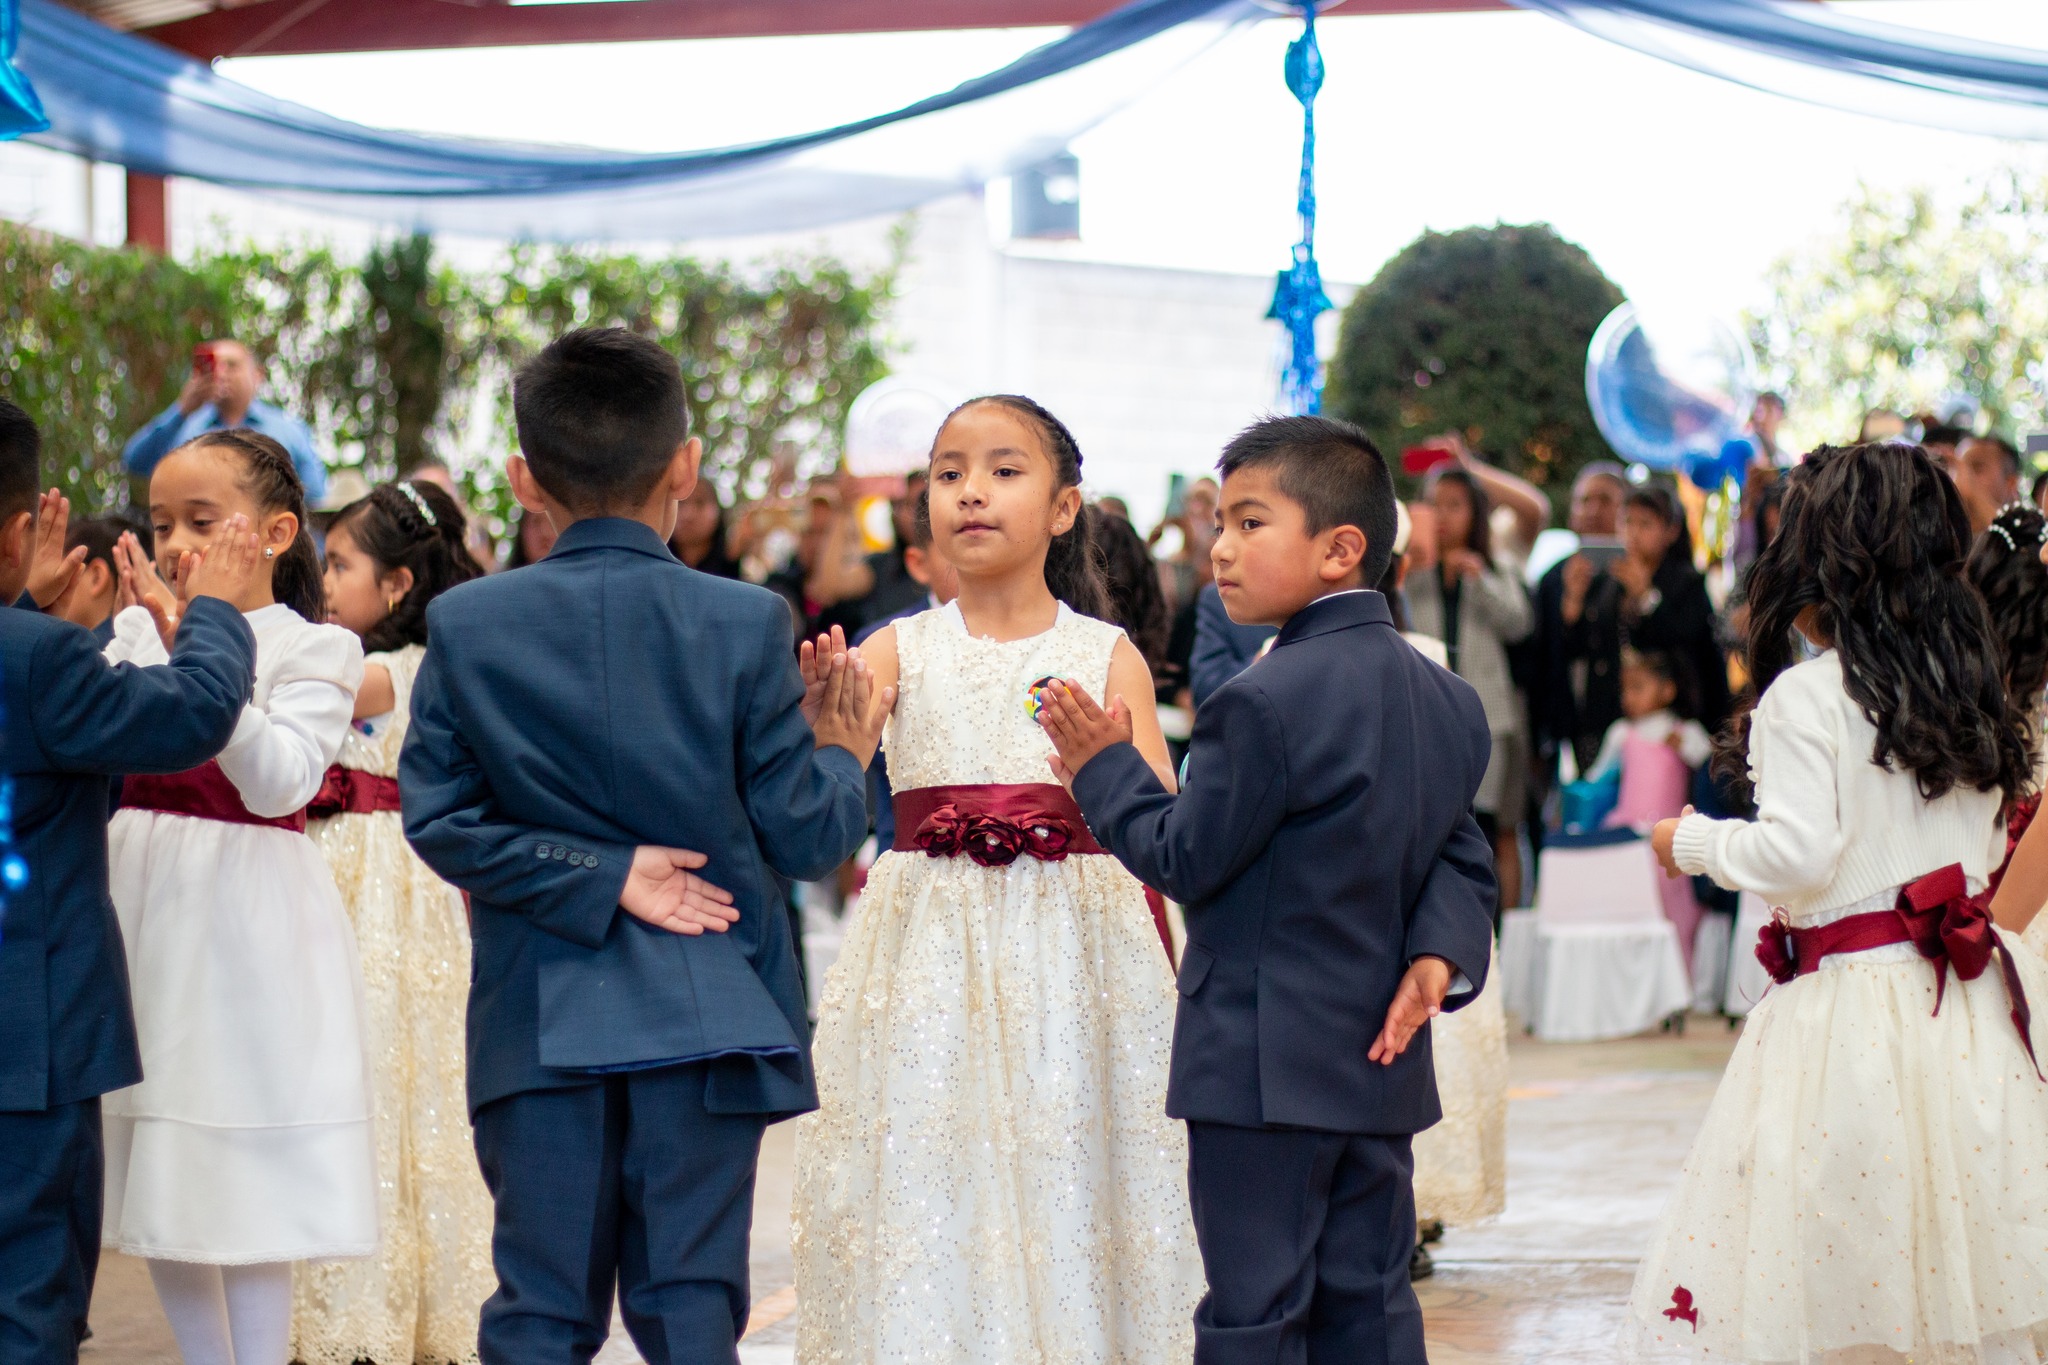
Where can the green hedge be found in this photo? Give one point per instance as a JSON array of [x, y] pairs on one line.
[[390, 358]]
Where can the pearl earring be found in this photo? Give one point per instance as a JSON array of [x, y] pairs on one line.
[[270, 552]]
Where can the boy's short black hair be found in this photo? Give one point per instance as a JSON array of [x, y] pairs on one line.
[[21, 450], [600, 413], [1333, 470], [97, 535]]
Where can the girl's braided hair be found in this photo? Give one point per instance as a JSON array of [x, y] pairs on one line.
[[1073, 566], [269, 477], [412, 525], [1873, 538]]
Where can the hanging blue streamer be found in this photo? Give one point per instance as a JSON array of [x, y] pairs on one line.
[[20, 110], [1298, 298]]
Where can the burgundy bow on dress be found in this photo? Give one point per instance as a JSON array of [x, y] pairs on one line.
[[1937, 915], [992, 823], [350, 790]]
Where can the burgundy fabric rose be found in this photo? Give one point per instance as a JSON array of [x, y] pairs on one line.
[[1774, 950], [940, 836], [992, 841]]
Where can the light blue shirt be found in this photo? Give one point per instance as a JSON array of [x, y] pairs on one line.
[[172, 429]]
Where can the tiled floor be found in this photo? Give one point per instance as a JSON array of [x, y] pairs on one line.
[[1595, 1135]]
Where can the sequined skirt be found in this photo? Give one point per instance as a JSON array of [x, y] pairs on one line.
[[991, 1176]]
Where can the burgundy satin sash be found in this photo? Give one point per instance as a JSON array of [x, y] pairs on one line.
[[351, 791], [204, 791], [992, 823], [1937, 915]]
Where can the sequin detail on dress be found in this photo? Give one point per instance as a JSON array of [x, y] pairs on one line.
[[991, 1177], [417, 1299]]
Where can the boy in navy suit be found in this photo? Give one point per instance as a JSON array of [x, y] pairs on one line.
[[67, 1035], [579, 727], [1338, 895]]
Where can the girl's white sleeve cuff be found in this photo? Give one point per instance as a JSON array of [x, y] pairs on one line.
[[1690, 841]]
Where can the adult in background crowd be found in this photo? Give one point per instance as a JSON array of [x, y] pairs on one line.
[[1765, 418], [701, 535], [1477, 608], [220, 394], [1987, 474], [1576, 691], [1662, 599]]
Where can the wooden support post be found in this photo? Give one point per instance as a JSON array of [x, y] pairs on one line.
[[148, 224]]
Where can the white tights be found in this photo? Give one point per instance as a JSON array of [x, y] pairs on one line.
[[227, 1314]]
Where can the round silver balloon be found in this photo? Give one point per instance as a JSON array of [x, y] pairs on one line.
[[891, 425], [1669, 385]]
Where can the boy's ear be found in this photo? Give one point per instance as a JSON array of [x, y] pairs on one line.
[[684, 468], [525, 488], [17, 534], [917, 563], [1343, 552]]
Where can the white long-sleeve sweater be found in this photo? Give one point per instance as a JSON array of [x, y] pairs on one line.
[[1832, 827]]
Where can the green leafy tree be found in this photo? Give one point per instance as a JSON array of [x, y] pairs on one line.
[[1910, 301], [396, 359], [1484, 331]]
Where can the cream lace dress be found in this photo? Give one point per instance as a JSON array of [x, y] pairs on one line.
[[991, 1176], [1461, 1163], [417, 1299]]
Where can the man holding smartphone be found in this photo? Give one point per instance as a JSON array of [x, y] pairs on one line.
[[220, 394]]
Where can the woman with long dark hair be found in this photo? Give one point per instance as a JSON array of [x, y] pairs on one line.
[[1477, 608]]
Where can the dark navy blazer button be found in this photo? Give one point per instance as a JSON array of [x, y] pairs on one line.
[[542, 850], [575, 859], [590, 860], [560, 853]]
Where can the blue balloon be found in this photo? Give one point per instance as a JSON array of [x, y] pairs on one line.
[[1670, 390], [1709, 472]]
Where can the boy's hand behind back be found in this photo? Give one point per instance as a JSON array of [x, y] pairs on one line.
[[1419, 1000], [661, 890], [1078, 728]]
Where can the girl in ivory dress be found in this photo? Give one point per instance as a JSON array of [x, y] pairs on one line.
[[1868, 1187], [991, 1177], [247, 1145], [417, 1299]]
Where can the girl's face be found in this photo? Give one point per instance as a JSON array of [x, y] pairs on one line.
[[1644, 692], [996, 499], [359, 592], [192, 493], [1453, 516], [1645, 535]]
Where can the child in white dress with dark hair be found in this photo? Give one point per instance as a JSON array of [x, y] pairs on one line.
[[247, 1146], [1870, 1186], [991, 1177]]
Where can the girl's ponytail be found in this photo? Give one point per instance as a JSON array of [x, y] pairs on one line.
[[1073, 563], [271, 479]]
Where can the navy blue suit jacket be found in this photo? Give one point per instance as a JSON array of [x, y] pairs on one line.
[[571, 710], [1323, 842], [66, 1030]]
